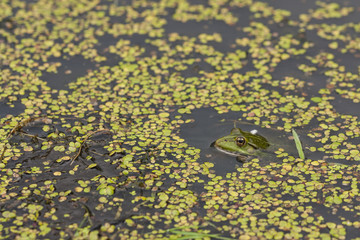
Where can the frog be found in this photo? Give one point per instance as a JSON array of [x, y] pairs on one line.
[[242, 144]]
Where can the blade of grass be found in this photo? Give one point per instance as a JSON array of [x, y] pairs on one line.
[[197, 235], [298, 144]]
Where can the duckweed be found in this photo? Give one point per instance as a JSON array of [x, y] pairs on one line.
[[94, 95]]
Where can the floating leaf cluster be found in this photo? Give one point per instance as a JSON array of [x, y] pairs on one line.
[[102, 156]]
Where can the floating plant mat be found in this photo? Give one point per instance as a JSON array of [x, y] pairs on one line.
[[97, 99]]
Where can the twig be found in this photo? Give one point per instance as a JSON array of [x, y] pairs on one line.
[[25, 122], [83, 142]]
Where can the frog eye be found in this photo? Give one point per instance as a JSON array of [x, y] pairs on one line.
[[240, 141]]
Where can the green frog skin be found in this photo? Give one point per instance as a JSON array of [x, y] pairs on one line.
[[241, 143]]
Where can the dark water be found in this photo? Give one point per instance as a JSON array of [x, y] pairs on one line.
[[208, 125]]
